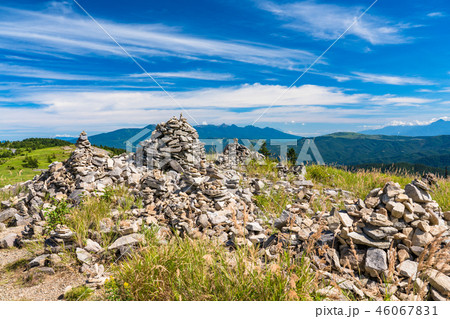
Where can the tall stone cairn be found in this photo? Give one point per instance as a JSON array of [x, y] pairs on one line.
[[172, 145]]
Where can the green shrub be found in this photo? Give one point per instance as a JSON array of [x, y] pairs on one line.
[[30, 162], [78, 293], [58, 215]]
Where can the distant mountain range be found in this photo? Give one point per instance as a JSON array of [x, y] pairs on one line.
[[439, 127], [119, 137], [338, 148]]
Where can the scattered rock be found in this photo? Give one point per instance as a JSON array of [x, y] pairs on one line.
[[39, 261], [8, 241], [439, 281], [362, 239], [92, 246], [7, 214], [127, 240], [83, 256], [376, 261], [408, 268]]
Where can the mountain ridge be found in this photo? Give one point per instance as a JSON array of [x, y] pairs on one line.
[[439, 127]]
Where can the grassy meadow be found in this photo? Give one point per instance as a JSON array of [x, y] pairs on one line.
[[13, 172]]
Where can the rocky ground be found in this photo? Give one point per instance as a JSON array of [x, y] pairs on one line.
[[394, 235]]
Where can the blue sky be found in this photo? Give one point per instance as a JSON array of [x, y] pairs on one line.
[[223, 61]]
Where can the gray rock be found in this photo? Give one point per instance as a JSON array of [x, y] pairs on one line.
[[362, 239], [7, 214], [421, 238], [417, 250], [257, 238], [83, 256], [417, 194], [396, 209], [408, 268], [8, 241], [379, 233], [439, 281], [203, 221], [38, 261], [436, 295], [93, 246], [376, 261], [127, 240], [345, 219], [217, 218], [255, 227]]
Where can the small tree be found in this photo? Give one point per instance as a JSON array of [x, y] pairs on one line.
[[263, 150], [291, 156], [30, 162]]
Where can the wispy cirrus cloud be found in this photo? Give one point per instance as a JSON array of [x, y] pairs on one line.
[[241, 104], [390, 79], [436, 14], [378, 78], [390, 99], [17, 70], [328, 21], [196, 75], [69, 33]]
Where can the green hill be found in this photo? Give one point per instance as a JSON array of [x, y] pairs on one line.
[[13, 170]]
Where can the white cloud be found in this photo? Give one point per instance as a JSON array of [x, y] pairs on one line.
[[328, 21], [32, 72], [435, 14], [70, 111], [416, 122], [378, 78], [245, 96], [70, 33], [389, 99], [390, 79], [196, 75]]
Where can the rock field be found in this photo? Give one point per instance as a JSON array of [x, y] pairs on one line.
[[396, 233]]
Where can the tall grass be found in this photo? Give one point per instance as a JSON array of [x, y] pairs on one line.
[[441, 194], [273, 202], [362, 182], [204, 270], [86, 217], [265, 169]]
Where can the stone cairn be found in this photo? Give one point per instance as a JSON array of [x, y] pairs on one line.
[[172, 145], [236, 154], [394, 233]]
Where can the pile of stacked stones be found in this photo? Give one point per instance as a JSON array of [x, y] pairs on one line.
[[387, 235], [173, 145], [352, 247], [236, 154], [89, 170]]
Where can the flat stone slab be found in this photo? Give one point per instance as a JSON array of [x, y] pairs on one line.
[[362, 239], [127, 240], [408, 268]]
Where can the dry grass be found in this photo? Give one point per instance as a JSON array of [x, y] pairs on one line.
[[362, 182], [86, 217], [204, 270]]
